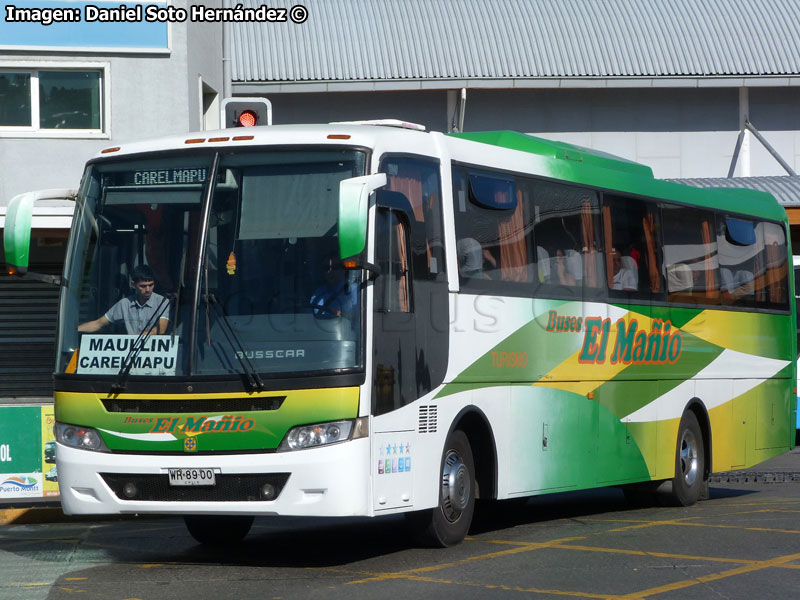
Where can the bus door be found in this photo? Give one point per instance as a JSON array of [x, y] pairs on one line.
[[410, 318]]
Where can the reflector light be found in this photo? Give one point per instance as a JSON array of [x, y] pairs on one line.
[[218, 139], [107, 150], [242, 138], [338, 136], [247, 118], [195, 141]]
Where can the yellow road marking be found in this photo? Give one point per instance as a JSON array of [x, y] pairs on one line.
[[748, 566], [487, 586], [721, 559], [523, 547], [735, 561], [767, 529], [686, 522], [679, 585], [683, 523]]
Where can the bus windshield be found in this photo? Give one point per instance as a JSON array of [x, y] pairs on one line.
[[159, 284]]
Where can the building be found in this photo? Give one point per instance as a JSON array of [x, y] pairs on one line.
[[666, 83]]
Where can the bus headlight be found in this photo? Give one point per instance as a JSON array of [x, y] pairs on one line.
[[320, 434], [83, 438]]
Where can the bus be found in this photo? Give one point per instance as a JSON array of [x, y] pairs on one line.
[[364, 319], [796, 264]]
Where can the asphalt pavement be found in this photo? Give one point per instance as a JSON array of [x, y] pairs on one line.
[[742, 543]]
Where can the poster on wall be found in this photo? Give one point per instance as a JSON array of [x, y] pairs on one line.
[[27, 461], [50, 484]]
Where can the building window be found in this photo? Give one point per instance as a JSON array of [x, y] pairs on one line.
[[51, 101]]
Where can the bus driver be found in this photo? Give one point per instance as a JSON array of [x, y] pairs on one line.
[[138, 309]]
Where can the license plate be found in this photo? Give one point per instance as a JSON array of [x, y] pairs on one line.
[[193, 476]]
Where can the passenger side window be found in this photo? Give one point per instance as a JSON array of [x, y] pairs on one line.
[[770, 269], [493, 230], [690, 255], [632, 241], [567, 229]]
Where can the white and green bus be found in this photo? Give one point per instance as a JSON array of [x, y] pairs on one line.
[[368, 319]]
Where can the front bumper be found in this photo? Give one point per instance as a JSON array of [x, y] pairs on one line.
[[326, 481]]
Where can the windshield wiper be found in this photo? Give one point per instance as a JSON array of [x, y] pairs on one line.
[[137, 346], [230, 335]]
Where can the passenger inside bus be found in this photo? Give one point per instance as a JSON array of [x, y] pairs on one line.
[[735, 285], [564, 275], [471, 258], [626, 275], [679, 278]]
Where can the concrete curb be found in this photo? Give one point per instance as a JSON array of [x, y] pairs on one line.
[[35, 514], [50, 514]]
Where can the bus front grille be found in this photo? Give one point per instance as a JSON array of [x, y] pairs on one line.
[[228, 488], [203, 405]]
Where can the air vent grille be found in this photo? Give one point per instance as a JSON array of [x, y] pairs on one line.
[[427, 419]]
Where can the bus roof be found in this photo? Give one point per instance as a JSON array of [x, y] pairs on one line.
[[243, 137], [607, 171], [584, 166], [553, 149]]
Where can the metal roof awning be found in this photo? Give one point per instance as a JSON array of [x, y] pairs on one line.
[[425, 44], [785, 188]]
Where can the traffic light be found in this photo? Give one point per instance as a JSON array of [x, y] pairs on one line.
[[246, 112]]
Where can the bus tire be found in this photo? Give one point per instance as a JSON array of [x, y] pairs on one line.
[[218, 530], [448, 523], [688, 482]]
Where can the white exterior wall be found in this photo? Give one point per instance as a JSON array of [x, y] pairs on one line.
[[150, 95], [204, 63]]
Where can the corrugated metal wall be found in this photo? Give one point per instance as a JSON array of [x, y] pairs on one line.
[[28, 318], [28, 312], [429, 39]]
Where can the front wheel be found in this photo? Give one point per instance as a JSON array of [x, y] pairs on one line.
[[689, 482], [449, 522], [218, 530]]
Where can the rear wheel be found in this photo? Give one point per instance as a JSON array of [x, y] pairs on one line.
[[449, 522], [689, 483], [218, 530]]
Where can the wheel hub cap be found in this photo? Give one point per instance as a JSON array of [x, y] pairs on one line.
[[455, 486], [689, 458]]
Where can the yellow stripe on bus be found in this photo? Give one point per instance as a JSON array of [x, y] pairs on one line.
[[591, 376]]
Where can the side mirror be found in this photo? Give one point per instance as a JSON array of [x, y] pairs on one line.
[[17, 233], [353, 209], [17, 226]]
